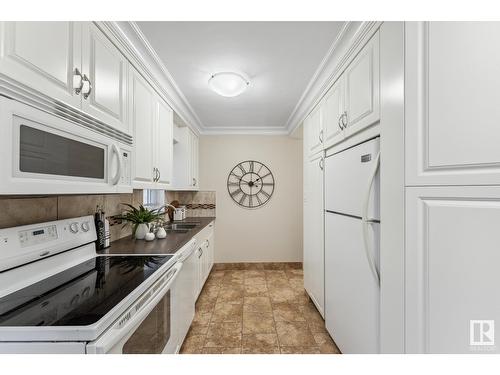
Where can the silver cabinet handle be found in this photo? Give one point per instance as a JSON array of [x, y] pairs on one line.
[[321, 136], [159, 174], [321, 163], [344, 116], [200, 251], [86, 93], [194, 181], [338, 122], [77, 81]]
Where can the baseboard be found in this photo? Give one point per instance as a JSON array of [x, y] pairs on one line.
[[257, 266]]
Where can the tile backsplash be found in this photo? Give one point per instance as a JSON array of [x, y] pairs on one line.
[[15, 211], [21, 210], [198, 203]]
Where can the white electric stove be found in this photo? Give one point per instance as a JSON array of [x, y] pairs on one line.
[[58, 296]]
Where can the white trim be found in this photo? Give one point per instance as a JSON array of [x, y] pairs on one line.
[[344, 48], [250, 130]]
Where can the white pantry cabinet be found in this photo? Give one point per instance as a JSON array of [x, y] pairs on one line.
[[452, 112], [452, 258], [43, 56], [104, 66], [73, 63], [314, 254], [152, 121], [186, 156]]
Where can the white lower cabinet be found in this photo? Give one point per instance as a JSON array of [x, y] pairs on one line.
[[205, 256], [314, 255], [452, 262]]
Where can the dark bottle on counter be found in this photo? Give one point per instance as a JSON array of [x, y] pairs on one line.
[[102, 229]]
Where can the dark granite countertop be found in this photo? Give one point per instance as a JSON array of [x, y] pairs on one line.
[[169, 245]]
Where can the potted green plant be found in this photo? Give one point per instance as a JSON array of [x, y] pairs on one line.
[[140, 218]]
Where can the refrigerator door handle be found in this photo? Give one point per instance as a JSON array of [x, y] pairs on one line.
[[367, 221]]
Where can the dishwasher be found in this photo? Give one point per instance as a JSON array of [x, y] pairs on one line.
[[186, 291]]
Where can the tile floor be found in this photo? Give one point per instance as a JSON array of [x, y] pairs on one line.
[[257, 312]]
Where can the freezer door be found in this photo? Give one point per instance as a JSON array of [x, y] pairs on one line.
[[347, 179], [351, 290]]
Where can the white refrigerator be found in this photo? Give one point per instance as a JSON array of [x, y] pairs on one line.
[[352, 227]]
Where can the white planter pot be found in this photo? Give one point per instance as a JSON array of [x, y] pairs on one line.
[[141, 231]]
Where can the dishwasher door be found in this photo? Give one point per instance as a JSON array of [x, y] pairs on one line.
[[186, 293]]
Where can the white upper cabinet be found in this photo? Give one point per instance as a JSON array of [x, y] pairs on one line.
[[314, 129], [194, 161], [452, 112], [186, 156], [106, 69], [362, 96], [43, 56], [152, 121], [351, 105], [332, 110], [142, 114], [164, 143]]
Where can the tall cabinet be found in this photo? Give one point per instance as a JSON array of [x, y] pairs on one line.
[[314, 255], [452, 117]]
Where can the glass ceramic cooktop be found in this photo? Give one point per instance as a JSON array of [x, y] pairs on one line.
[[80, 295]]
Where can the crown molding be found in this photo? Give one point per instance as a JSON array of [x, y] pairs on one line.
[[247, 130], [351, 39], [133, 43]]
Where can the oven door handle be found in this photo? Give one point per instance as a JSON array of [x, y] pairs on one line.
[[110, 338], [116, 178]]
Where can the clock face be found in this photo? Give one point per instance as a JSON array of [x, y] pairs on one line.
[[250, 184]]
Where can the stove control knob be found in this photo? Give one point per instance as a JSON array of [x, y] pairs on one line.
[[85, 226], [73, 227]]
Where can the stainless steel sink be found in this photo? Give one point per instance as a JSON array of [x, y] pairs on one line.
[[180, 226], [174, 231]]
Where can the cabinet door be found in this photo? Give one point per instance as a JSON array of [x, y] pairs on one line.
[[452, 277], [314, 231], [315, 132], [210, 252], [164, 140], [42, 56], [142, 105], [107, 70], [362, 88], [452, 114], [332, 109], [194, 160]]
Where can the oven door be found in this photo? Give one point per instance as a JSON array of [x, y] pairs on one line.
[[49, 155], [148, 326]]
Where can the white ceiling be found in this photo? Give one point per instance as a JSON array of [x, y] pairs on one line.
[[279, 58]]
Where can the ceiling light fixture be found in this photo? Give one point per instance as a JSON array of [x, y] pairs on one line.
[[228, 84]]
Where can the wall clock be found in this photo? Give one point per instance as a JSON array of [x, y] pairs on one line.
[[250, 184]]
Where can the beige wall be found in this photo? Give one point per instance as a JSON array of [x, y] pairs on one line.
[[272, 233]]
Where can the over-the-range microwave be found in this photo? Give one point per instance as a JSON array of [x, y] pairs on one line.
[[46, 154]]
